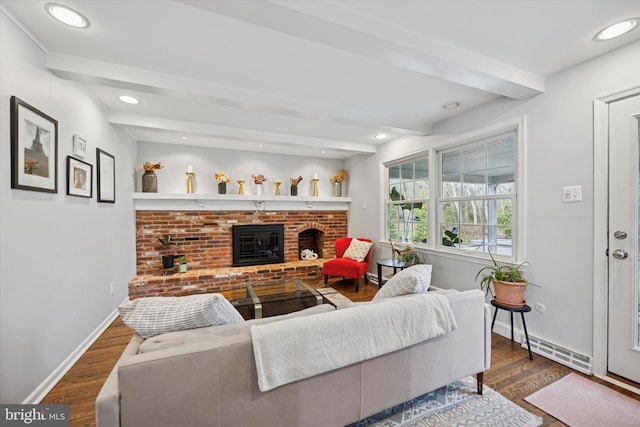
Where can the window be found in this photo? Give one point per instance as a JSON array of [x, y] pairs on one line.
[[477, 196], [407, 201]]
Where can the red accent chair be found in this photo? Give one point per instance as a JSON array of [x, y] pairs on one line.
[[345, 267]]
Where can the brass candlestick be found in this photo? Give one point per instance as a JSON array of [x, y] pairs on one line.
[[190, 182], [315, 186], [240, 188], [277, 184]]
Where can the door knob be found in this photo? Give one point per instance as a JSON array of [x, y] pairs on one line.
[[620, 235], [620, 254]]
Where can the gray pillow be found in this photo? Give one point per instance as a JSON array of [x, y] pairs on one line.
[[157, 315], [412, 280]]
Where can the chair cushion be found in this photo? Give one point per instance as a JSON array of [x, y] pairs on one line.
[[357, 250], [412, 280], [345, 267], [157, 315]]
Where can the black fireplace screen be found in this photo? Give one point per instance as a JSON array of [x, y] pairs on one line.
[[258, 244]]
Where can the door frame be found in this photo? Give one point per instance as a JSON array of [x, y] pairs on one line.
[[600, 232]]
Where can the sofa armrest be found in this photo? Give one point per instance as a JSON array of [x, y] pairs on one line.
[[108, 400], [487, 336]]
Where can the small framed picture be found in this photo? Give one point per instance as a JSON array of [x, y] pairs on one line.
[[106, 176], [79, 146], [34, 148], [79, 178]]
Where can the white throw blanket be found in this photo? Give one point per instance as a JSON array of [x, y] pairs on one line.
[[299, 348]]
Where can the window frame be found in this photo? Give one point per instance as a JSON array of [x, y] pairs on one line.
[[386, 184], [433, 151]]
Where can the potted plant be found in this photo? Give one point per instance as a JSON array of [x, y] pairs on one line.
[[411, 257], [182, 263], [506, 280]]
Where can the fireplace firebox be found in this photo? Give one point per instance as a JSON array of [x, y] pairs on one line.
[[258, 244]]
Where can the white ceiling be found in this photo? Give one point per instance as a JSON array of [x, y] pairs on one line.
[[303, 77]]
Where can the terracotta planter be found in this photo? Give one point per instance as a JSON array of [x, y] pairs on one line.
[[509, 293]]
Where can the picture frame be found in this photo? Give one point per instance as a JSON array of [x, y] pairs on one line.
[[34, 148], [106, 176], [79, 178], [79, 146]]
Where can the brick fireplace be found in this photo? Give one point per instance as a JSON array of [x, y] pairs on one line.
[[205, 237]]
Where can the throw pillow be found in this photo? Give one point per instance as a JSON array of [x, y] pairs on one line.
[[412, 280], [357, 250], [157, 315]]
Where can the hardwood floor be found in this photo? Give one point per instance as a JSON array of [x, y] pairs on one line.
[[512, 374]]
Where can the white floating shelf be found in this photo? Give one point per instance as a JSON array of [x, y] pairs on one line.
[[182, 201]]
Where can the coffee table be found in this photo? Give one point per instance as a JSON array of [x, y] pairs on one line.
[[271, 299]]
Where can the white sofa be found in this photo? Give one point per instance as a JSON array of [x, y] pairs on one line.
[[208, 376]]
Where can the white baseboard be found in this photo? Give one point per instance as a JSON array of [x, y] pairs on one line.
[[45, 387]]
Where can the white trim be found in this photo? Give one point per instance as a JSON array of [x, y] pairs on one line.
[[619, 383], [600, 238], [600, 228], [54, 377], [23, 29]]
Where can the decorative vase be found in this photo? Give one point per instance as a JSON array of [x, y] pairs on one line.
[[241, 188], [222, 188], [509, 293], [149, 182], [293, 190], [258, 189], [337, 189], [277, 184]]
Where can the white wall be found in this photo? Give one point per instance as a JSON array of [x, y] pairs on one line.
[[58, 254], [237, 165], [559, 152]]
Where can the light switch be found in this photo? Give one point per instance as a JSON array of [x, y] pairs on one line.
[[572, 194]]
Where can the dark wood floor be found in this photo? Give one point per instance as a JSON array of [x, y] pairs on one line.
[[512, 374]]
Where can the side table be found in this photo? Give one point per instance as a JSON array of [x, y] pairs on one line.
[[388, 262], [511, 310]]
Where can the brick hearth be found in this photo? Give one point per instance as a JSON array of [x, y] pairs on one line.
[[205, 238]]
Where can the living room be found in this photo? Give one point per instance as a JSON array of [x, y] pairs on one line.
[[66, 262]]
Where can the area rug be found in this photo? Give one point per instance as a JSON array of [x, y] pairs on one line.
[[456, 404], [577, 401]]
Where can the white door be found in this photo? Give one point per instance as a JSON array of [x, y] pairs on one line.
[[624, 188]]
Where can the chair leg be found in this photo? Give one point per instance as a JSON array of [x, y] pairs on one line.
[[357, 284], [326, 279]]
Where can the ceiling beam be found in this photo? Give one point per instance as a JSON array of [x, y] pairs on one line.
[[245, 134], [146, 81], [337, 25]]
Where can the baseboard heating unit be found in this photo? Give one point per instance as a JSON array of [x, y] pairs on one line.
[[570, 358]]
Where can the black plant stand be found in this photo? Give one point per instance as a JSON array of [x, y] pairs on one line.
[[522, 310]]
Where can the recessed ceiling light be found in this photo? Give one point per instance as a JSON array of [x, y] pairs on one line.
[[260, 145], [67, 16], [184, 137], [451, 105], [616, 30], [380, 136], [129, 99], [324, 151]]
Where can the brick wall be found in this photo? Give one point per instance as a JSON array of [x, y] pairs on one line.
[[205, 237]]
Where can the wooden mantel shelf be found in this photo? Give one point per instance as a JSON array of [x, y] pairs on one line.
[[162, 201]]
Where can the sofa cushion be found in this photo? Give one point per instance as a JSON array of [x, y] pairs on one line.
[[412, 280], [157, 315], [357, 250], [179, 338]]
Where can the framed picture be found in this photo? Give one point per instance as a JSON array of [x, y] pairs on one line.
[[79, 146], [79, 178], [34, 148], [106, 176]]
